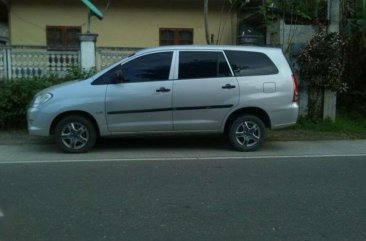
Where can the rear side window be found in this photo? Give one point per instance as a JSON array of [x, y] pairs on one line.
[[201, 64], [246, 63]]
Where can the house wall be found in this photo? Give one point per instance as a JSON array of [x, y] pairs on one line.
[[281, 33], [127, 23]]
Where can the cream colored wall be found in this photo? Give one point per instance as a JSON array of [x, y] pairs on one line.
[[127, 23]]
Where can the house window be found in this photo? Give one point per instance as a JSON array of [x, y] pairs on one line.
[[176, 36], [63, 38]]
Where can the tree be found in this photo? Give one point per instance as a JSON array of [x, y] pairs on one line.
[[354, 26], [322, 63], [233, 4]]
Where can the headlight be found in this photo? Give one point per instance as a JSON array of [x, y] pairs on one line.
[[41, 99]]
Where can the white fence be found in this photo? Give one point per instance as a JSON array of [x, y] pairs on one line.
[[22, 62], [108, 56], [3, 65]]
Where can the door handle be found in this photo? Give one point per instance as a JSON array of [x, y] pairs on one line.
[[162, 89], [228, 86]]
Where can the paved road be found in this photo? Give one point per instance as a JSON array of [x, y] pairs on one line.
[[196, 193], [178, 148]]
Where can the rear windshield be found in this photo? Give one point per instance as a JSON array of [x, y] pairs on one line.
[[246, 63]]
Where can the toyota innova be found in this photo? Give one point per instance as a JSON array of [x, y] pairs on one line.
[[235, 90]]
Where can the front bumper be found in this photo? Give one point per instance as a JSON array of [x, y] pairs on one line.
[[38, 122]]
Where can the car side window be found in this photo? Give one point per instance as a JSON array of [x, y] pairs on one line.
[[151, 67], [108, 77], [246, 63], [202, 64]]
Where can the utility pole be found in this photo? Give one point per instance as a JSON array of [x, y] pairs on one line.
[[205, 13], [334, 16]]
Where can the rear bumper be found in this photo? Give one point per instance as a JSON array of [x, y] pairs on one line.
[[285, 117]]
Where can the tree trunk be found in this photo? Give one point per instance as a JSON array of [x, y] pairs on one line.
[[315, 103]]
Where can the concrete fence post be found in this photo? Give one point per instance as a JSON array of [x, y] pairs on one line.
[[87, 50], [8, 63], [329, 105]]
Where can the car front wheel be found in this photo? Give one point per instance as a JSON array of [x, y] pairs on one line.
[[75, 134], [247, 133]]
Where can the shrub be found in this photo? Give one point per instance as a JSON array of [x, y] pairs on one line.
[[355, 74], [322, 65], [15, 97], [323, 61], [74, 73]]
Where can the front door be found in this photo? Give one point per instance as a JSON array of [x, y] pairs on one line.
[[143, 101]]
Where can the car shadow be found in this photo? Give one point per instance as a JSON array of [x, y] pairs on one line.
[[166, 142]]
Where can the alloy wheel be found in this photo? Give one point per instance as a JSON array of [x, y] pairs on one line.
[[75, 135], [248, 134]]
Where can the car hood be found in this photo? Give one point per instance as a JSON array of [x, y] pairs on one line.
[[66, 87], [60, 86]]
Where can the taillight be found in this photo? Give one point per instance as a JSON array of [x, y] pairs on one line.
[[294, 88]]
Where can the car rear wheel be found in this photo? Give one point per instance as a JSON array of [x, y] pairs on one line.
[[75, 134], [247, 133]]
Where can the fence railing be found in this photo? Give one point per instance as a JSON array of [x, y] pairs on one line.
[[28, 61], [108, 56], [3, 65]]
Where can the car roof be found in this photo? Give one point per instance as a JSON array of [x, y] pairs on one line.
[[209, 47]]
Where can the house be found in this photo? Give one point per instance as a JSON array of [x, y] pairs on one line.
[[43, 36], [127, 23], [4, 33]]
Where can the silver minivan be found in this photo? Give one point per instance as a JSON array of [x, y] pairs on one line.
[[235, 90]]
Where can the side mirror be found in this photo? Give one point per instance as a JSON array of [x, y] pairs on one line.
[[118, 77]]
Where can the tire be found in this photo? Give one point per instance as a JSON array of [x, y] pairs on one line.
[[247, 133], [75, 134]]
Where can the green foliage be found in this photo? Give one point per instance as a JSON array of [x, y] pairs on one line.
[[75, 73], [346, 123], [323, 61], [268, 18], [354, 26], [322, 64], [238, 3], [297, 10], [354, 8], [355, 75], [14, 98], [15, 95]]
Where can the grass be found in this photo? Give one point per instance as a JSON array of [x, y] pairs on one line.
[[347, 126]]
